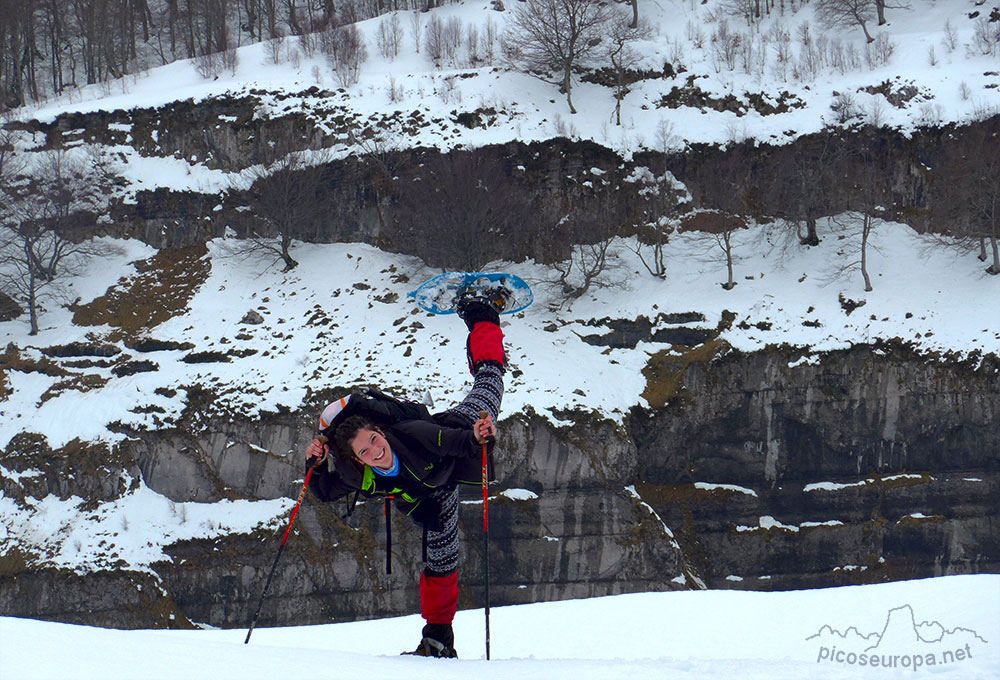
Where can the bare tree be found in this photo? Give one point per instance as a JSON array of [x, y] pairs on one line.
[[971, 204], [554, 35], [346, 51], [654, 235], [389, 37], [856, 227], [719, 228], [802, 199], [750, 10], [621, 33], [847, 13], [416, 18], [49, 45], [661, 198], [881, 6], [589, 266], [869, 196], [467, 197], [43, 214], [283, 192]]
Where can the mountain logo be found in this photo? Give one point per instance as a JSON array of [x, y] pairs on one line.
[[902, 643]]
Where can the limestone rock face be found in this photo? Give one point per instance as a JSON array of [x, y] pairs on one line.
[[866, 466], [757, 471]]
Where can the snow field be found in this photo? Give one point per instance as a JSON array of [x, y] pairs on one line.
[[688, 635]]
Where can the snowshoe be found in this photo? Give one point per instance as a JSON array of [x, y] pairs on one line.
[[433, 648], [453, 292], [438, 642], [494, 295]]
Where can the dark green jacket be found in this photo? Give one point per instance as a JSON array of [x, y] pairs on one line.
[[431, 455]]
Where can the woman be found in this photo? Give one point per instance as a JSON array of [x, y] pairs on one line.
[[391, 449]]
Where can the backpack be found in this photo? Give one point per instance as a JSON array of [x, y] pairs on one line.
[[373, 404]]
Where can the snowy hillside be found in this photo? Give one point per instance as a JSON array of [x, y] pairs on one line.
[[147, 337], [943, 628], [933, 66], [342, 319]]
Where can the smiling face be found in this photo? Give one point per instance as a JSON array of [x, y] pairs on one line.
[[371, 448]]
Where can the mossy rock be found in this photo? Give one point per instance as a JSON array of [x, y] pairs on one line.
[[160, 290], [665, 370]]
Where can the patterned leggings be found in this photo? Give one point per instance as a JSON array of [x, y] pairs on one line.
[[442, 546], [485, 395]]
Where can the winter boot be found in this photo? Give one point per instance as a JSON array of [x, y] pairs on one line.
[[438, 642], [495, 296], [485, 341]]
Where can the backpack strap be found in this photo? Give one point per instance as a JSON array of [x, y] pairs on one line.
[[351, 504]]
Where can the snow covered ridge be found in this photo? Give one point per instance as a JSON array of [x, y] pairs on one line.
[[267, 341], [703, 73], [129, 532], [900, 479], [944, 627]]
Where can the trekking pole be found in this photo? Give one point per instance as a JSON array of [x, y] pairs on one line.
[[322, 439], [486, 541]]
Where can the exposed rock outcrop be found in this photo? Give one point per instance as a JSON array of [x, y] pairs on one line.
[[757, 471]]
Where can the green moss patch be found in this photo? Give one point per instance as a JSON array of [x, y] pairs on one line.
[[665, 370], [160, 290]]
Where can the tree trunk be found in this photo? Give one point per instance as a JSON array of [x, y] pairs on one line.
[[619, 95], [32, 303], [982, 249], [286, 242], [868, 37], [635, 14], [568, 86], [865, 231], [880, 9], [995, 268], [727, 241], [811, 238]]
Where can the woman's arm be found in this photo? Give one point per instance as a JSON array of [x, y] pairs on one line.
[[458, 442], [326, 485]]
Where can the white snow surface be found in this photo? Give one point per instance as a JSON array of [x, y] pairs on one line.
[[959, 85], [937, 299], [686, 635], [369, 335], [133, 529]]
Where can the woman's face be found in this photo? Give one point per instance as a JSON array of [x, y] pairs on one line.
[[371, 448]]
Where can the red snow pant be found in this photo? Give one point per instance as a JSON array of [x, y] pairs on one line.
[[439, 598], [439, 582]]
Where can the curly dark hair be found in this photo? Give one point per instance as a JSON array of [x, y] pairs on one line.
[[345, 432]]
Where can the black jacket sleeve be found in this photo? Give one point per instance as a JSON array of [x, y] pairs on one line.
[[379, 408], [326, 485], [455, 442]]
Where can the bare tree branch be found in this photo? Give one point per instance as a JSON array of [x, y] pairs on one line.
[[554, 35], [40, 213]]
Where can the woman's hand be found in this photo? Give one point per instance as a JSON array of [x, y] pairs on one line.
[[484, 429], [317, 451]]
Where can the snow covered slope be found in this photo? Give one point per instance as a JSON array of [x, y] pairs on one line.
[[946, 628], [342, 318], [931, 54]]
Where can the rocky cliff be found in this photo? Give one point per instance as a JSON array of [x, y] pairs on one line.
[[767, 470], [546, 193]]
